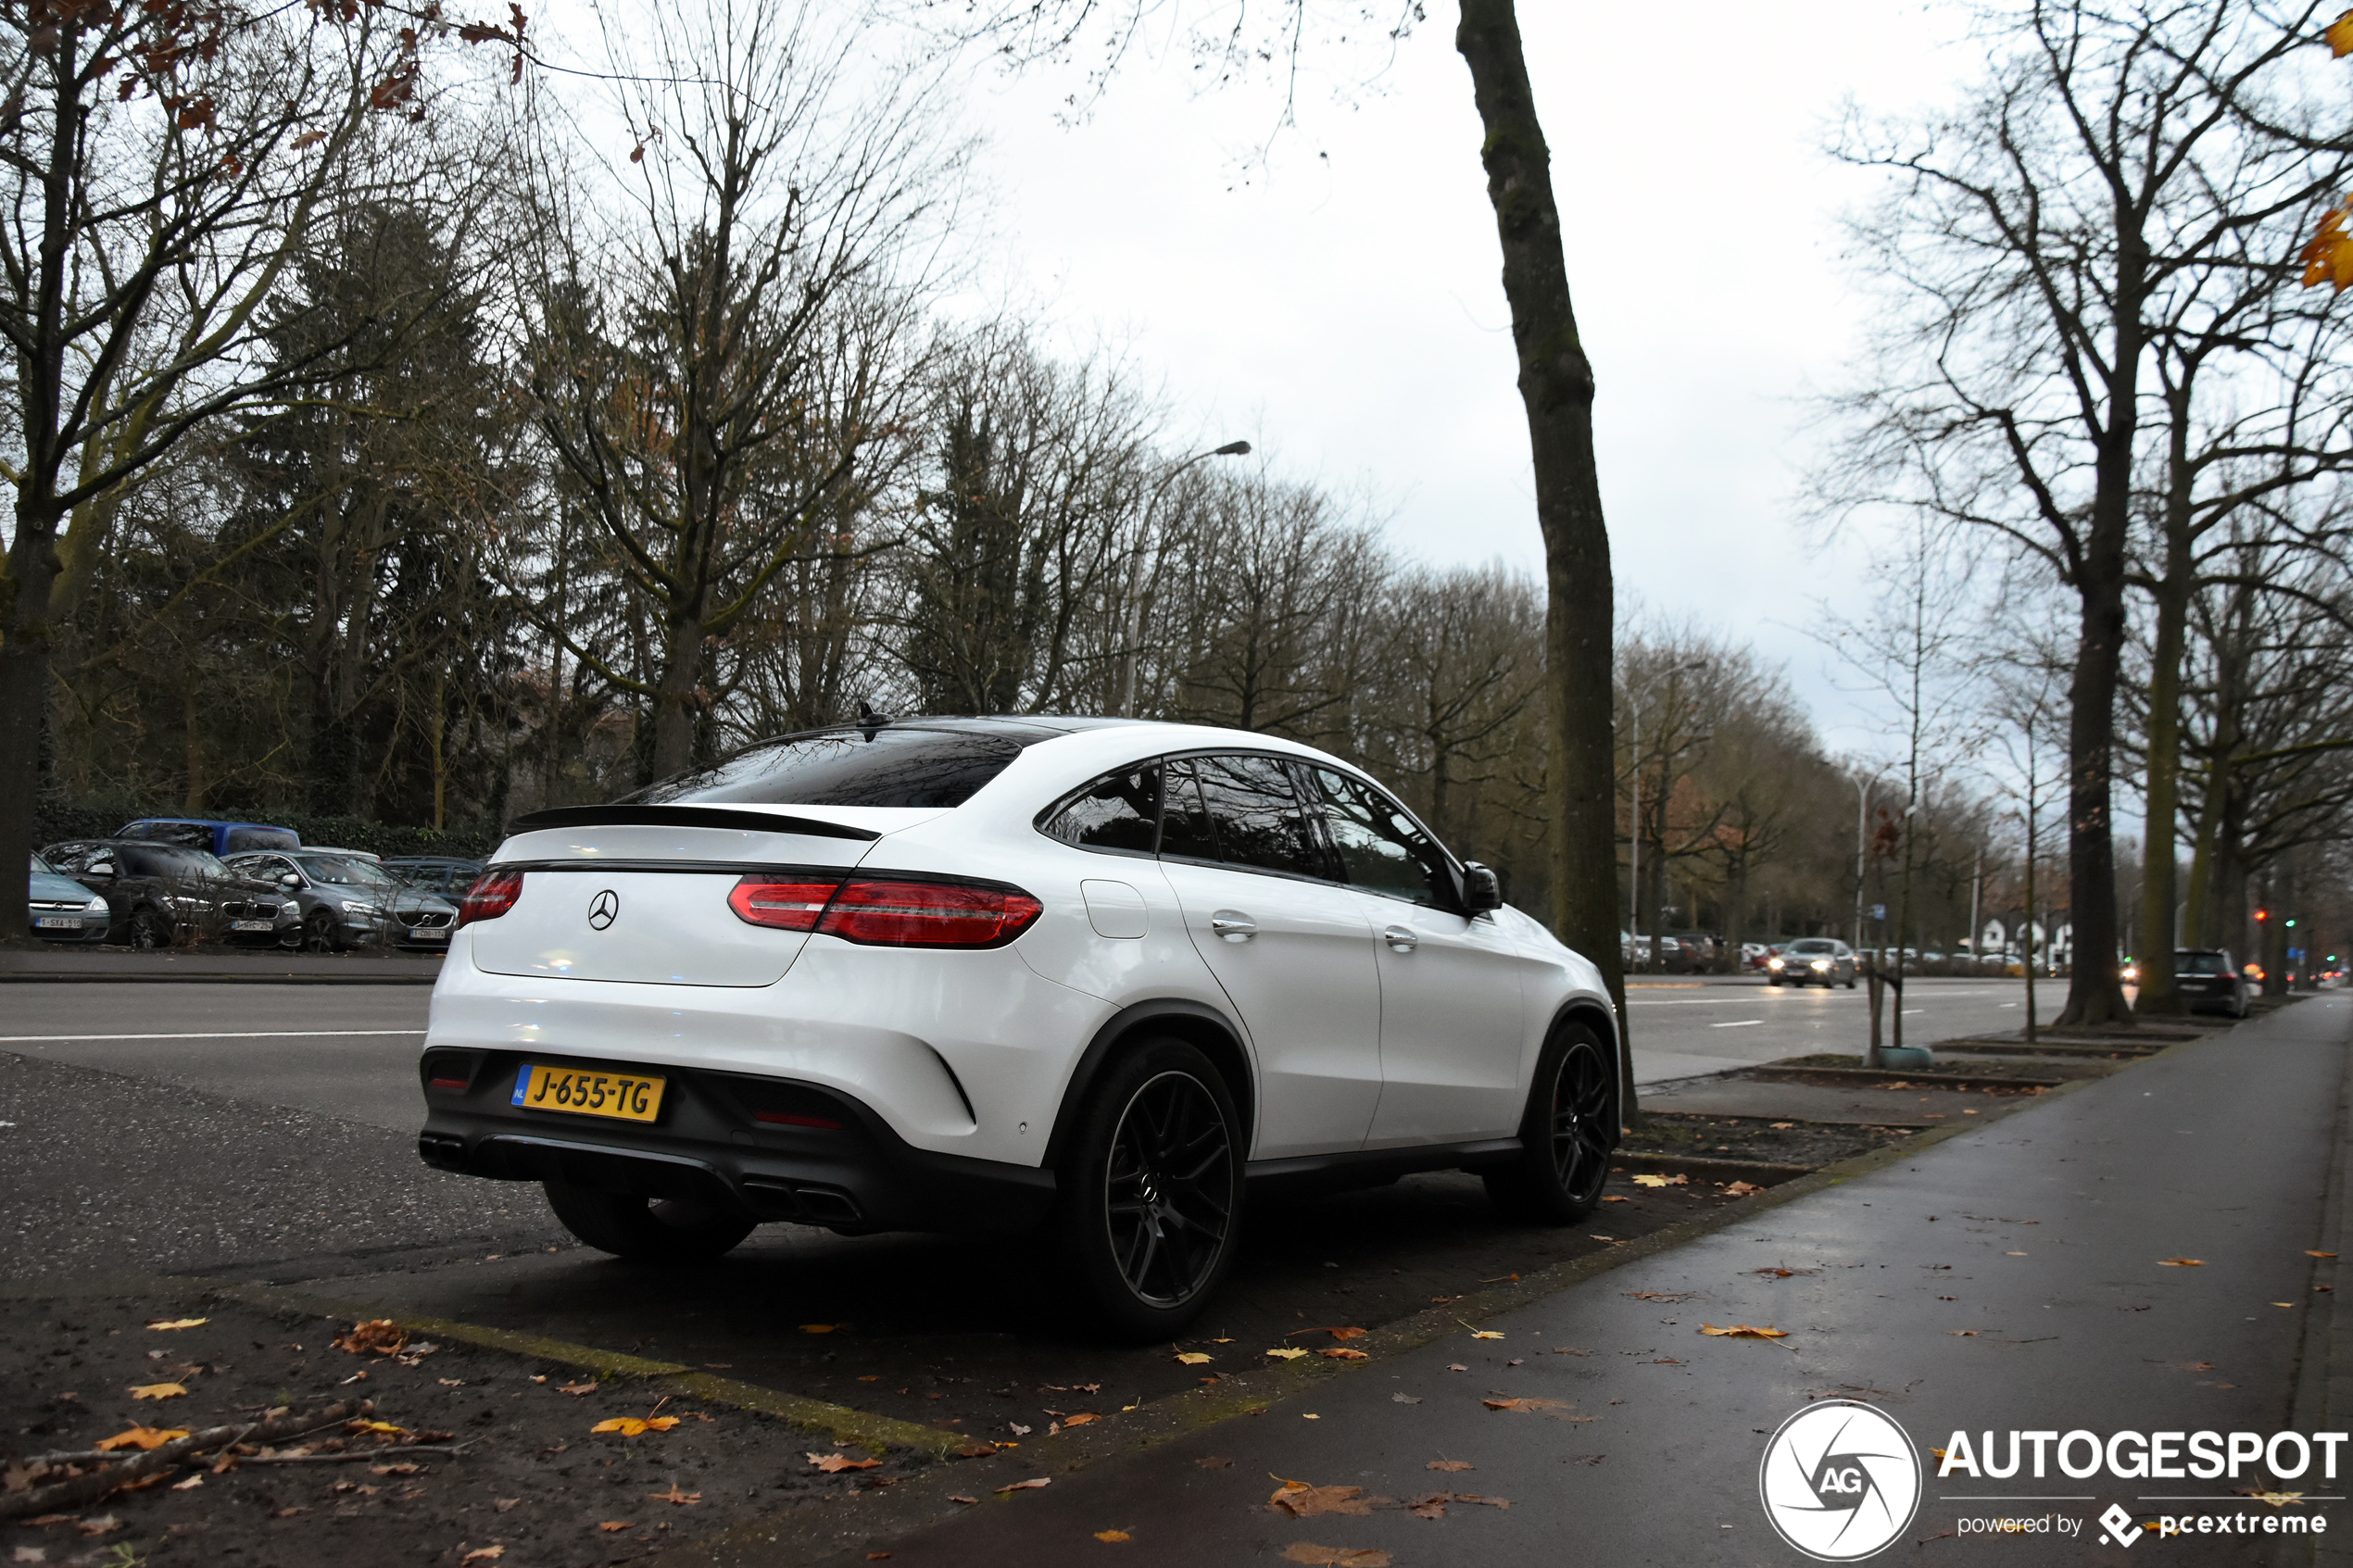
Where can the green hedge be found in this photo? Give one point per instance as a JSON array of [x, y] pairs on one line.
[[58, 818]]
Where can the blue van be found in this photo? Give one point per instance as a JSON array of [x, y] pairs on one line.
[[222, 838]]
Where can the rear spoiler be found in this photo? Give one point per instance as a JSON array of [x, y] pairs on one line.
[[684, 817]]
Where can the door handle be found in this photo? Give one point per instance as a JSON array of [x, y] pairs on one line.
[[1400, 940], [1233, 926]]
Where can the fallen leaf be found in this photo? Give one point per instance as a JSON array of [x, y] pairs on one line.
[[1742, 1189], [406, 1467], [831, 1463], [2279, 1500], [1449, 1464], [2200, 1366], [1342, 1353], [158, 1391], [1212, 1462], [100, 1526], [1286, 1353], [959, 1497], [1335, 1556], [1613, 1198], [2283, 1303], [2173, 1262], [615, 1526], [1348, 1332], [1783, 1126], [1193, 1358], [1743, 1331], [482, 1554], [1019, 1430], [1527, 1405], [675, 1497], [1678, 1180], [577, 1388], [1456, 1366], [138, 1437], [1027, 1486], [2308, 1252], [380, 1336], [1486, 1334], [192, 1482], [504, 1505], [191, 1323], [1963, 1333], [1651, 1295], [631, 1426], [1403, 1399], [816, 1328], [1113, 1536], [1080, 1420], [386, 1428], [1303, 1502]]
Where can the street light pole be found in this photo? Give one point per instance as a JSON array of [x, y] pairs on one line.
[[1136, 571]]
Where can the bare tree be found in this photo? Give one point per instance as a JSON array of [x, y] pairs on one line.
[[2038, 242], [711, 369]]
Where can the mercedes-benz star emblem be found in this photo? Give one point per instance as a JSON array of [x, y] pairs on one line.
[[602, 908]]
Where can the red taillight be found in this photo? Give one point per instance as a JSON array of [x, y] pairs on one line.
[[794, 1119], [787, 905], [492, 894], [446, 1083], [927, 914]]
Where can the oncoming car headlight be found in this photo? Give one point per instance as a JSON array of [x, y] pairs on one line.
[[1772, 963], [1821, 963]]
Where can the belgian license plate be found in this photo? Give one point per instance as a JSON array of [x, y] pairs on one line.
[[253, 925], [427, 933], [59, 922], [539, 1087]]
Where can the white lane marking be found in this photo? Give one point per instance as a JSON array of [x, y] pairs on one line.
[[1743, 1023], [243, 1034]]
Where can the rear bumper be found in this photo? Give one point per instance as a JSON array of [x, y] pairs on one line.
[[710, 1147]]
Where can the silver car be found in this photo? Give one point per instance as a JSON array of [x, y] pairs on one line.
[[1812, 960], [349, 901]]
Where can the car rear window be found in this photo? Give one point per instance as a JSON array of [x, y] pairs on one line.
[[2200, 963], [263, 838], [853, 766]]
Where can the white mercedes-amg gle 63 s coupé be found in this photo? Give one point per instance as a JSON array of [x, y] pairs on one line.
[[1099, 976]]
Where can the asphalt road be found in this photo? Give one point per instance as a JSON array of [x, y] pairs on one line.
[[1683, 1029]]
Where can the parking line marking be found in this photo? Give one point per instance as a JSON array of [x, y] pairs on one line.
[[240, 1034], [1743, 1023]]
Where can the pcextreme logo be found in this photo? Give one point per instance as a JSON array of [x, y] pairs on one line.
[[1840, 1481]]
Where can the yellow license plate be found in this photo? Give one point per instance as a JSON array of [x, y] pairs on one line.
[[627, 1096]]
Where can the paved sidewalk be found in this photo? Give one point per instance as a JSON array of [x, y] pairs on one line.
[[2006, 1279]]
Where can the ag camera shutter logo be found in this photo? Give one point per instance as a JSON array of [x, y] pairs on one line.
[[1840, 1481]]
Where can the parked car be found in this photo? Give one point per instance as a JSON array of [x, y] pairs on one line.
[[1813, 960], [434, 873], [2208, 981], [64, 911], [220, 838], [159, 894], [994, 975], [346, 902]]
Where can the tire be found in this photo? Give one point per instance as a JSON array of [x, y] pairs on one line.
[[1850, 983], [318, 932], [148, 931], [1566, 1134], [644, 1230], [1151, 1191]]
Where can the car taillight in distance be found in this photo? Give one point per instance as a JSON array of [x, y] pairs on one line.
[[492, 894], [787, 905]]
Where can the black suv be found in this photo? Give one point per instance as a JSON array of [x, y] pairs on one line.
[[159, 894], [2205, 980]]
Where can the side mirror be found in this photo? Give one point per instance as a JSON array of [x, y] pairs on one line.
[[1482, 890], [289, 881], [102, 868]]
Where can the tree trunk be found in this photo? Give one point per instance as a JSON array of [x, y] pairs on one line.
[[2095, 994], [675, 696], [2159, 893], [26, 635], [1556, 387]]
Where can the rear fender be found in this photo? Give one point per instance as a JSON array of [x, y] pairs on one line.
[[1195, 1023]]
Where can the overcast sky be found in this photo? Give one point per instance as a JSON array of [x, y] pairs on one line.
[[1342, 307]]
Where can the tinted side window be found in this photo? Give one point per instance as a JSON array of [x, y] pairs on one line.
[[1117, 811], [1257, 815], [259, 838], [1184, 824], [852, 767], [69, 858], [1380, 849], [195, 836]]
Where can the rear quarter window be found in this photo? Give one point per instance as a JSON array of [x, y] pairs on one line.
[[1118, 812]]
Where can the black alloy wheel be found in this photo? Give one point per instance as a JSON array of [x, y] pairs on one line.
[[318, 930], [1566, 1134], [149, 930], [1151, 1189]]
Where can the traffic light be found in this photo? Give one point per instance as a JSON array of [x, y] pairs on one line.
[[2262, 914]]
